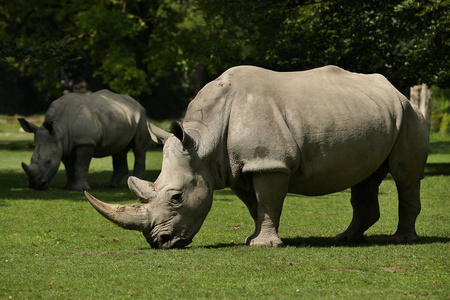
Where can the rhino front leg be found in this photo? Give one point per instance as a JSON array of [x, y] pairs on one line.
[[70, 172], [270, 191], [81, 156], [120, 168]]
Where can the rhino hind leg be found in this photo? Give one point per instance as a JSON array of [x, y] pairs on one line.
[[407, 165], [270, 191], [139, 145], [366, 210], [120, 168], [408, 209], [139, 162]]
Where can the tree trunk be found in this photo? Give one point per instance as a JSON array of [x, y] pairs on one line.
[[420, 95]]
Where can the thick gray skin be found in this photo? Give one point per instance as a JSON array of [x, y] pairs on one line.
[[78, 127], [264, 134]]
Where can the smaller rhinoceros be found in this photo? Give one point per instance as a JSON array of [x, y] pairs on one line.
[[78, 127]]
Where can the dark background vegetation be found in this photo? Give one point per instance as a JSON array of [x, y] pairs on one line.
[[162, 51]]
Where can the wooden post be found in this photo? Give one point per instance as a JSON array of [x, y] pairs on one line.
[[421, 97]]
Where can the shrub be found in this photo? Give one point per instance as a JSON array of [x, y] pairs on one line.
[[440, 115]]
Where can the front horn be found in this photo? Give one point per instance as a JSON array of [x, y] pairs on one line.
[[132, 216], [27, 169]]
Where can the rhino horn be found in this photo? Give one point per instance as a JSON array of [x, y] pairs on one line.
[[132, 216], [27, 169], [143, 190]]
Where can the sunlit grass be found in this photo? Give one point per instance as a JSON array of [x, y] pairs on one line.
[[53, 244]]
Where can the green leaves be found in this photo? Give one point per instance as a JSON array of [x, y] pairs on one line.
[[120, 72], [165, 49], [405, 40], [109, 33], [108, 25]]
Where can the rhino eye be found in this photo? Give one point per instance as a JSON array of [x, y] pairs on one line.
[[177, 197]]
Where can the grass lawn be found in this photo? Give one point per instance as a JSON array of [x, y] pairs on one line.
[[53, 244]]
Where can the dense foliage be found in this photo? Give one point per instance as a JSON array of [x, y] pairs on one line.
[[440, 120], [163, 51], [408, 41]]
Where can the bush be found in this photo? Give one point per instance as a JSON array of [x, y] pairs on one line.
[[445, 124], [440, 114]]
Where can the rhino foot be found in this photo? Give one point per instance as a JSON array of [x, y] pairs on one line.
[[264, 242], [78, 186], [112, 185], [408, 238], [350, 238]]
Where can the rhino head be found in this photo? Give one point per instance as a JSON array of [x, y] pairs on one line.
[[175, 206], [47, 153]]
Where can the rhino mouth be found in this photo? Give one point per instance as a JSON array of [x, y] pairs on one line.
[[42, 185], [166, 241], [35, 182]]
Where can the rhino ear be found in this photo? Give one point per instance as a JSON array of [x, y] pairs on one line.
[[27, 126], [157, 134], [52, 127], [177, 129]]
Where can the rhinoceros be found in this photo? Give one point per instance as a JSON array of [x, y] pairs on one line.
[[265, 134], [78, 127]]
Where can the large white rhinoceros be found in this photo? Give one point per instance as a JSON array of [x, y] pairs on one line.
[[78, 127], [264, 134]]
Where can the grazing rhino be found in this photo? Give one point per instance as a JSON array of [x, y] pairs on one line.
[[265, 134], [78, 127]]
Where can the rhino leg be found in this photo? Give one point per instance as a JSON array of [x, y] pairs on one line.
[[408, 210], [270, 191], [249, 199], [81, 158], [120, 168], [366, 210], [407, 164], [70, 172], [139, 162], [140, 145]]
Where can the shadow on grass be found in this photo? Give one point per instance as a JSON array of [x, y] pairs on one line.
[[372, 240], [436, 169], [328, 242], [16, 145], [14, 186], [440, 147]]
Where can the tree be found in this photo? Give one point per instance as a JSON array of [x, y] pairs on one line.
[[407, 41], [148, 49], [163, 51]]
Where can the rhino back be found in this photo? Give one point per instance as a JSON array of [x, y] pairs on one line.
[[327, 128], [103, 119]]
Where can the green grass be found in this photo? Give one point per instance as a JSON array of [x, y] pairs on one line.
[[53, 244]]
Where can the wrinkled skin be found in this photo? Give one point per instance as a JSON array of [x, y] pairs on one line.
[[265, 134], [176, 204], [78, 127]]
